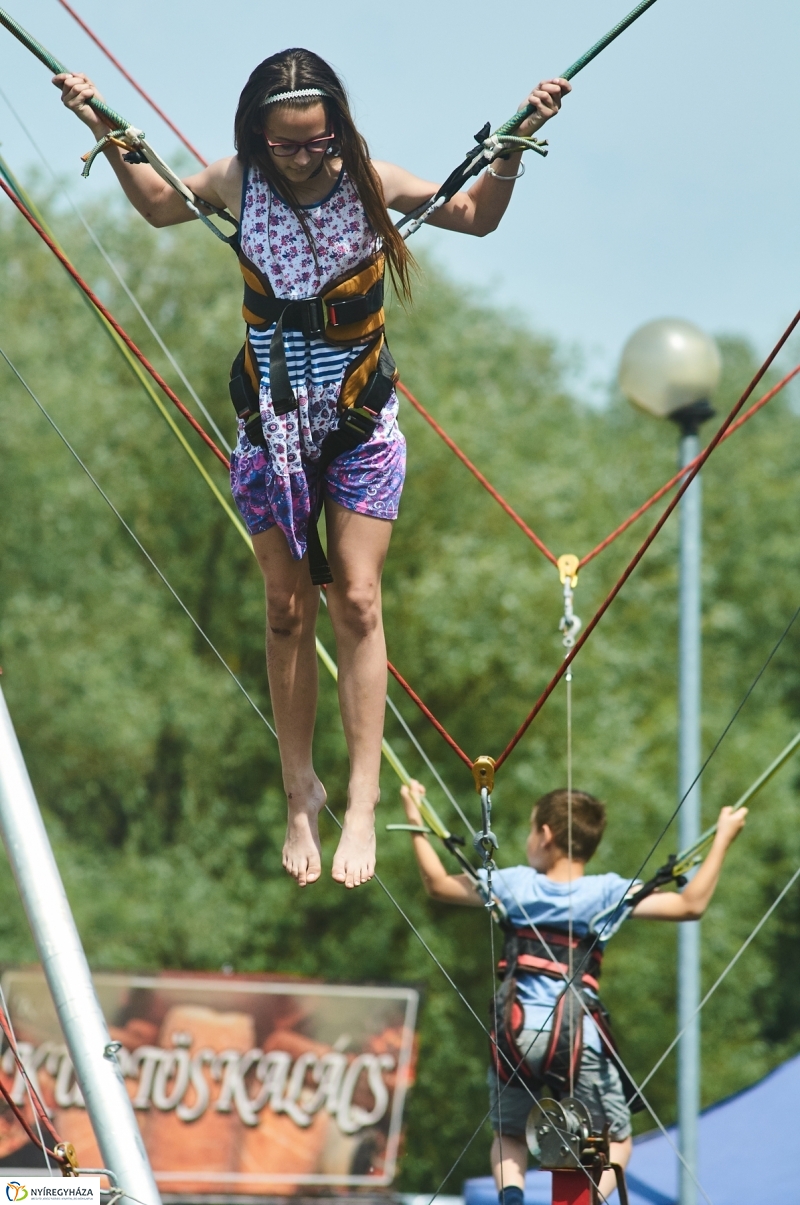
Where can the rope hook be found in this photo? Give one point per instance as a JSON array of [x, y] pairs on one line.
[[569, 623]]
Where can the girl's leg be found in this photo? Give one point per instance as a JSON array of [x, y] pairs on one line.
[[357, 546], [292, 605]]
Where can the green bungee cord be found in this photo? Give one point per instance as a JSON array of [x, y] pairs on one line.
[[120, 131], [494, 146], [490, 145]]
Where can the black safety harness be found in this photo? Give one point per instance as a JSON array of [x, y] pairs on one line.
[[348, 312], [532, 953]]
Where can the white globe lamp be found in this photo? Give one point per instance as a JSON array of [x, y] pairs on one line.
[[671, 368]]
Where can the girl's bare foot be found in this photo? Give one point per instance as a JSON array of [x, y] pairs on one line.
[[354, 860], [301, 849]]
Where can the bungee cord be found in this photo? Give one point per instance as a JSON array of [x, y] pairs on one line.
[[135, 361], [397, 675], [503, 141], [426, 946], [122, 134], [477, 474], [109, 317], [724, 974], [129, 530], [138, 88], [380, 882], [516, 518], [692, 469], [636, 559], [623, 527], [200, 631], [134, 300]]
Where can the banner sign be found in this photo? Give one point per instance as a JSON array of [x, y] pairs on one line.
[[241, 1084]]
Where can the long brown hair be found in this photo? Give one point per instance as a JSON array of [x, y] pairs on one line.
[[291, 70]]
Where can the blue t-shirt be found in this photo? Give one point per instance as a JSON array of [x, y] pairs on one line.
[[531, 898]]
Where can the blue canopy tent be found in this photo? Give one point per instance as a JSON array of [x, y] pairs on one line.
[[749, 1153]]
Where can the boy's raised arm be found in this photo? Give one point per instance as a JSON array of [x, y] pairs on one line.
[[448, 888], [691, 903]]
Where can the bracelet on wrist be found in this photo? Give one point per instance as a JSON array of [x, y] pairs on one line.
[[508, 179]]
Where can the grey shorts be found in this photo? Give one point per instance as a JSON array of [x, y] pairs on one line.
[[598, 1086]]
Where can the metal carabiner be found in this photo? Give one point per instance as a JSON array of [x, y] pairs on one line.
[[486, 843]]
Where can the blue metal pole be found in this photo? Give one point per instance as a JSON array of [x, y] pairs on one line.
[[689, 816]]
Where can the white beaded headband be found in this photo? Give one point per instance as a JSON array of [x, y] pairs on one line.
[[298, 94]]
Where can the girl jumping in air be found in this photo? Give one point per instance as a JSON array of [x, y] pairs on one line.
[[313, 388]]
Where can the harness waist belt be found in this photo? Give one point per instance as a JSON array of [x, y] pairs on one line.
[[311, 315]]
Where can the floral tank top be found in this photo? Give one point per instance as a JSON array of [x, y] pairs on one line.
[[273, 239]]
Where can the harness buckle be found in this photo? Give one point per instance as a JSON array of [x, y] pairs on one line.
[[357, 422], [313, 317]]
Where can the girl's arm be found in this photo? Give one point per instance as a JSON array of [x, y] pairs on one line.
[[691, 903], [160, 205], [448, 888], [478, 211]]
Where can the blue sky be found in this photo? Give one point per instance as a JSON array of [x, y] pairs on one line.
[[673, 180]]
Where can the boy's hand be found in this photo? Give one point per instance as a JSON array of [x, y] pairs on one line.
[[76, 92], [547, 97], [729, 825], [411, 797]]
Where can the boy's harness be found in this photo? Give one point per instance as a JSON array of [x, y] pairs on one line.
[[539, 952], [347, 313], [524, 948]]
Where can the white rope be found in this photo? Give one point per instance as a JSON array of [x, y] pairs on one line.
[[724, 975]]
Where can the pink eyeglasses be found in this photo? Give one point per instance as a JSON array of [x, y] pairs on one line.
[[314, 146]]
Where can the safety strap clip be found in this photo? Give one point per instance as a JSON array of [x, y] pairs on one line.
[[358, 422]]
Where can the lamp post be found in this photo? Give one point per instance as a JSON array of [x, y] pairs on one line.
[[671, 368]]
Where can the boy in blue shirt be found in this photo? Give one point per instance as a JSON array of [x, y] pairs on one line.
[[558, 921]]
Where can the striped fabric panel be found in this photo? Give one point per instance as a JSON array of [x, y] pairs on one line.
[[311, 362]]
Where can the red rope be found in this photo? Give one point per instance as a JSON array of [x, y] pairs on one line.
[[453, 446], [440, 728], [187, 415], [692, 469], [39, 1108], [590, 627], [133, 82], [95, 300], [686, 469]]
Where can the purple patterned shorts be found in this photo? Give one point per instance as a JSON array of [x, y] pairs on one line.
[[368, 480]]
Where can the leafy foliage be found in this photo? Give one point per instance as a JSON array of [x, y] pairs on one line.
[[161, 787]]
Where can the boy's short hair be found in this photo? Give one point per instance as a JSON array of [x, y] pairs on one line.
[[588, 821]]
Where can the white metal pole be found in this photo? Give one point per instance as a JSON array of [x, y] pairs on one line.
[[689, 686], [68, 974]]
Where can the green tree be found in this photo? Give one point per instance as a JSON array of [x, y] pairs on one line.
[[161, 787]]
